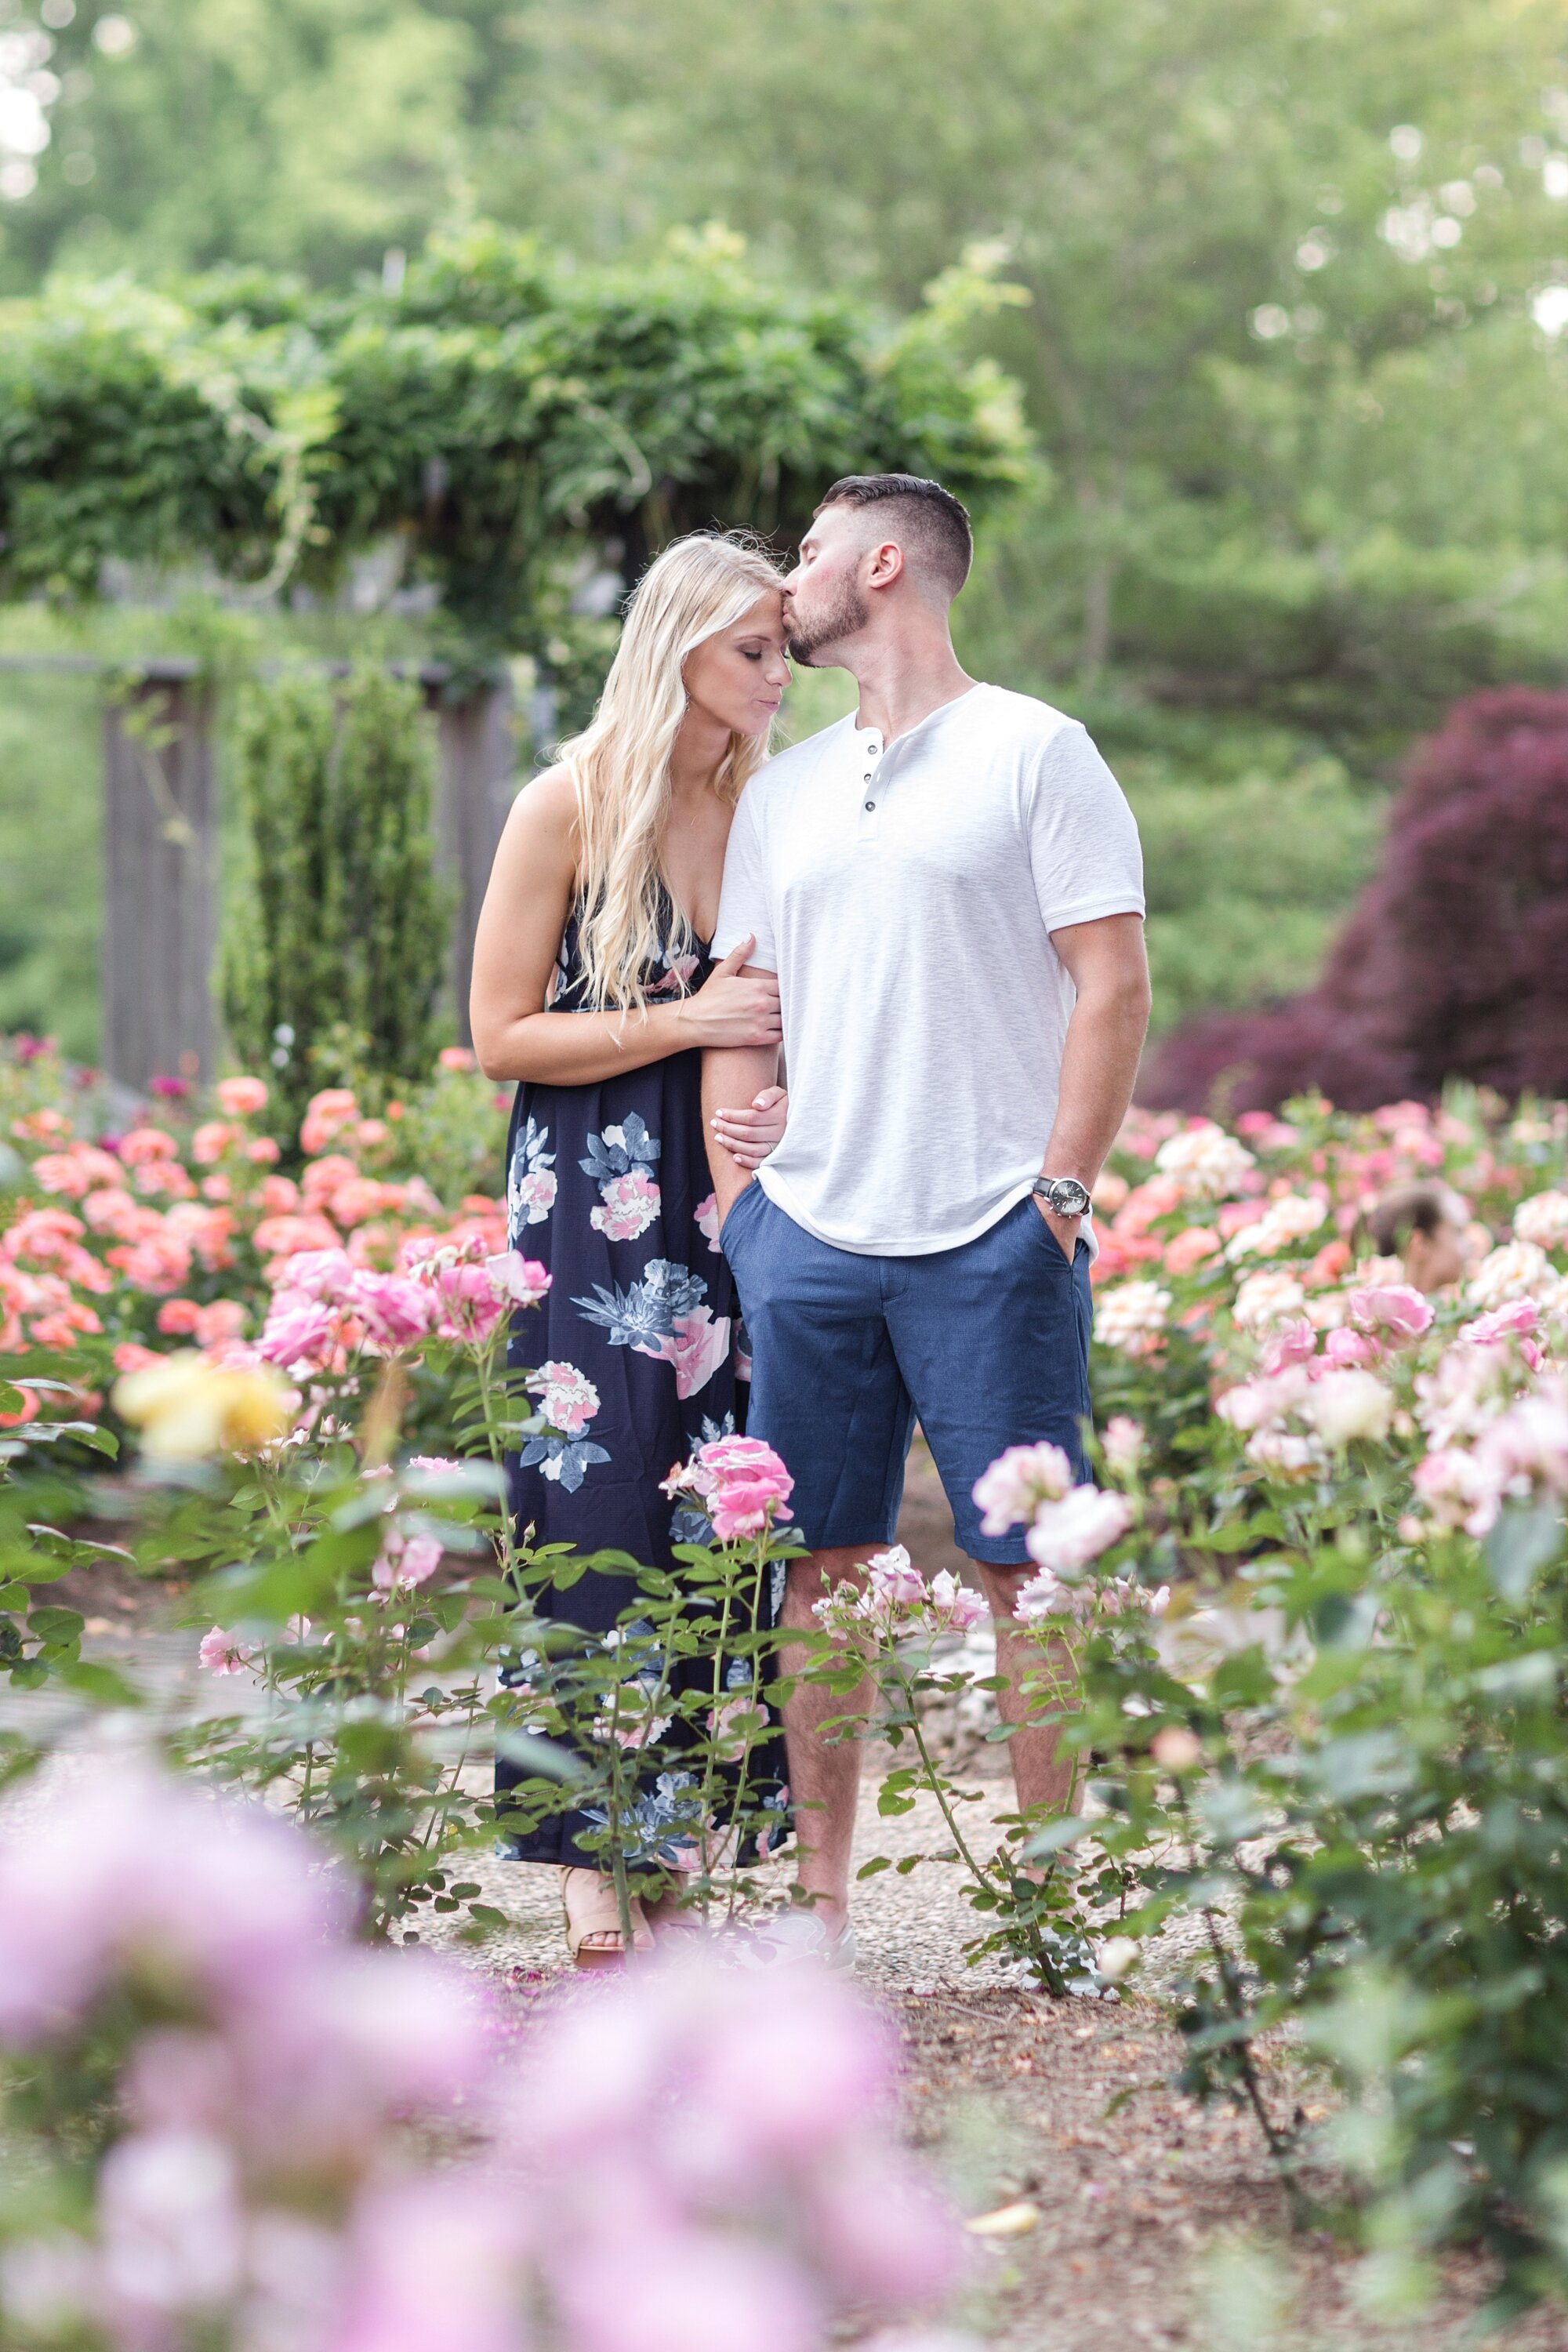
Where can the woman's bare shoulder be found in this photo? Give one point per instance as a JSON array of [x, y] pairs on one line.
[[548, 802]]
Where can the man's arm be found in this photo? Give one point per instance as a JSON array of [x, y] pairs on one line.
[[731, 1075], [1105, 1035]]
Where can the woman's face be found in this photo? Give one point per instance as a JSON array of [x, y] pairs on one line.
[[738, 678]]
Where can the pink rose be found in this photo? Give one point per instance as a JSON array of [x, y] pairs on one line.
[[892, 1576], [405, 1562], [1400, 1311], [743, 1483], [241, 1098], [517, 1280], [299, 1330], [224, 1653], [1017, 1481], [394, 1310], [1291, 1343], [327, 1274], [1345, 1347], [1069, 1534]]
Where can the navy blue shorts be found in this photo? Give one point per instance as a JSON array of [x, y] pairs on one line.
[[986, 1344]]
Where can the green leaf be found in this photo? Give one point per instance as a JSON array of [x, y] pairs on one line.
[[1525, 1538], [878, 1861]]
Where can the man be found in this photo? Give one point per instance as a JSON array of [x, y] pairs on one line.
[[950, 888]]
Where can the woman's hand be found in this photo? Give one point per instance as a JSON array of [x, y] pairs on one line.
[[728, 1010], [748, 1136]]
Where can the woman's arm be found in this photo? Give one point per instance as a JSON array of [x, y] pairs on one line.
[[533, 884]]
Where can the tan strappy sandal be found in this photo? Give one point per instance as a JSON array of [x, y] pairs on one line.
[[593, 1937]]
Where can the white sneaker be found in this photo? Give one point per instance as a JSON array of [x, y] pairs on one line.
[[798, 1933]]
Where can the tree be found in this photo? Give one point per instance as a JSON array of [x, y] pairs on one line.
[[1280, 259], [1454, 963], [336, 937]]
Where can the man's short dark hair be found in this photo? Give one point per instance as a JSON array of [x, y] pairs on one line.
[[935, 524]]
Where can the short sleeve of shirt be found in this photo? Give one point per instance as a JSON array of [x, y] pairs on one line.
[[1083, 838], [743, 909]]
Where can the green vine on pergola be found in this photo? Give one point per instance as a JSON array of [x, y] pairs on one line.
[[502, 413]]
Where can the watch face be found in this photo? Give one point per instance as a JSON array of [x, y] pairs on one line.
[[1067, 1197]]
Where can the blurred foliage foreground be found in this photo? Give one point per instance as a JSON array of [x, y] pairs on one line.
[[1308, 1636]]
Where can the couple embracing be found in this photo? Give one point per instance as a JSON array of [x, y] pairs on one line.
[[933, 910]]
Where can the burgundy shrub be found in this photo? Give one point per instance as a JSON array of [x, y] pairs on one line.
[[1454, 963]]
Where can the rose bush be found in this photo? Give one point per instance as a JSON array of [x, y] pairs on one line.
[[1306, 1626]]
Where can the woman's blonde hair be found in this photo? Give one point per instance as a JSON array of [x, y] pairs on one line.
[[619, 765]]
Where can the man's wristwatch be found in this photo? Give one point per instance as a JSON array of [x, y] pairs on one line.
[[1063, 1195]]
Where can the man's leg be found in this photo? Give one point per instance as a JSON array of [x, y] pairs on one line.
[[823, 1766], [827, 1393], [1041, 1774], [992, 1341]]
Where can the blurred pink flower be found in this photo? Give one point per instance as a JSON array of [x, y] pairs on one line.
[[395, 1310], [405, 1562], [517, 1281], [1345, 1347], [1069, 1534], [224, 1653], [1017, 1482], [1398, 1309], [1125, 1443], [298, 1331], [434, 2266], [241, 1098], [1291, 1343], [170, 2234], [326, 1115]]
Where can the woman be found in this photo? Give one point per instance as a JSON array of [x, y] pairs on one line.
[[593, 988]]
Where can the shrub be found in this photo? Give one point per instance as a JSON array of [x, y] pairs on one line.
[[338, 928], [1454, 964]]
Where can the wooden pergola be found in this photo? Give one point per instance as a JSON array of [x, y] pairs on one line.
[[161, 845]]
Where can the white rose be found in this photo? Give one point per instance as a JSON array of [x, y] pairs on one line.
[[1116, 1956], [1542, 1219], [1347, 1406], [1266, 1298], [1129, 1313], [1517, 1270], [1206, 1161]]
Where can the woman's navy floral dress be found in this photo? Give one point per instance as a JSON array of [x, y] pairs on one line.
[[636, 1351]]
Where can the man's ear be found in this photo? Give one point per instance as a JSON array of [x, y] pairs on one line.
[[887, 564]]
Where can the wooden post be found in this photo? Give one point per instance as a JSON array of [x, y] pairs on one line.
[[159, 878], [479, 762]]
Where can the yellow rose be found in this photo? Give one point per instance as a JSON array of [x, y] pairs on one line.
[[185, 1407]]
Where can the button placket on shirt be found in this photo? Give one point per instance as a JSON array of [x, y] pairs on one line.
[[868, 748]]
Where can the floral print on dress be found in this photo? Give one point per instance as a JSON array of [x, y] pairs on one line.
[[567, 1402], [662, 1315], [631, 1352], [678, 972], [665, 1822], [619, 1161], [531, 1180]]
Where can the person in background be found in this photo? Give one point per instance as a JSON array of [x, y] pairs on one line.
[[1422, 1225]]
